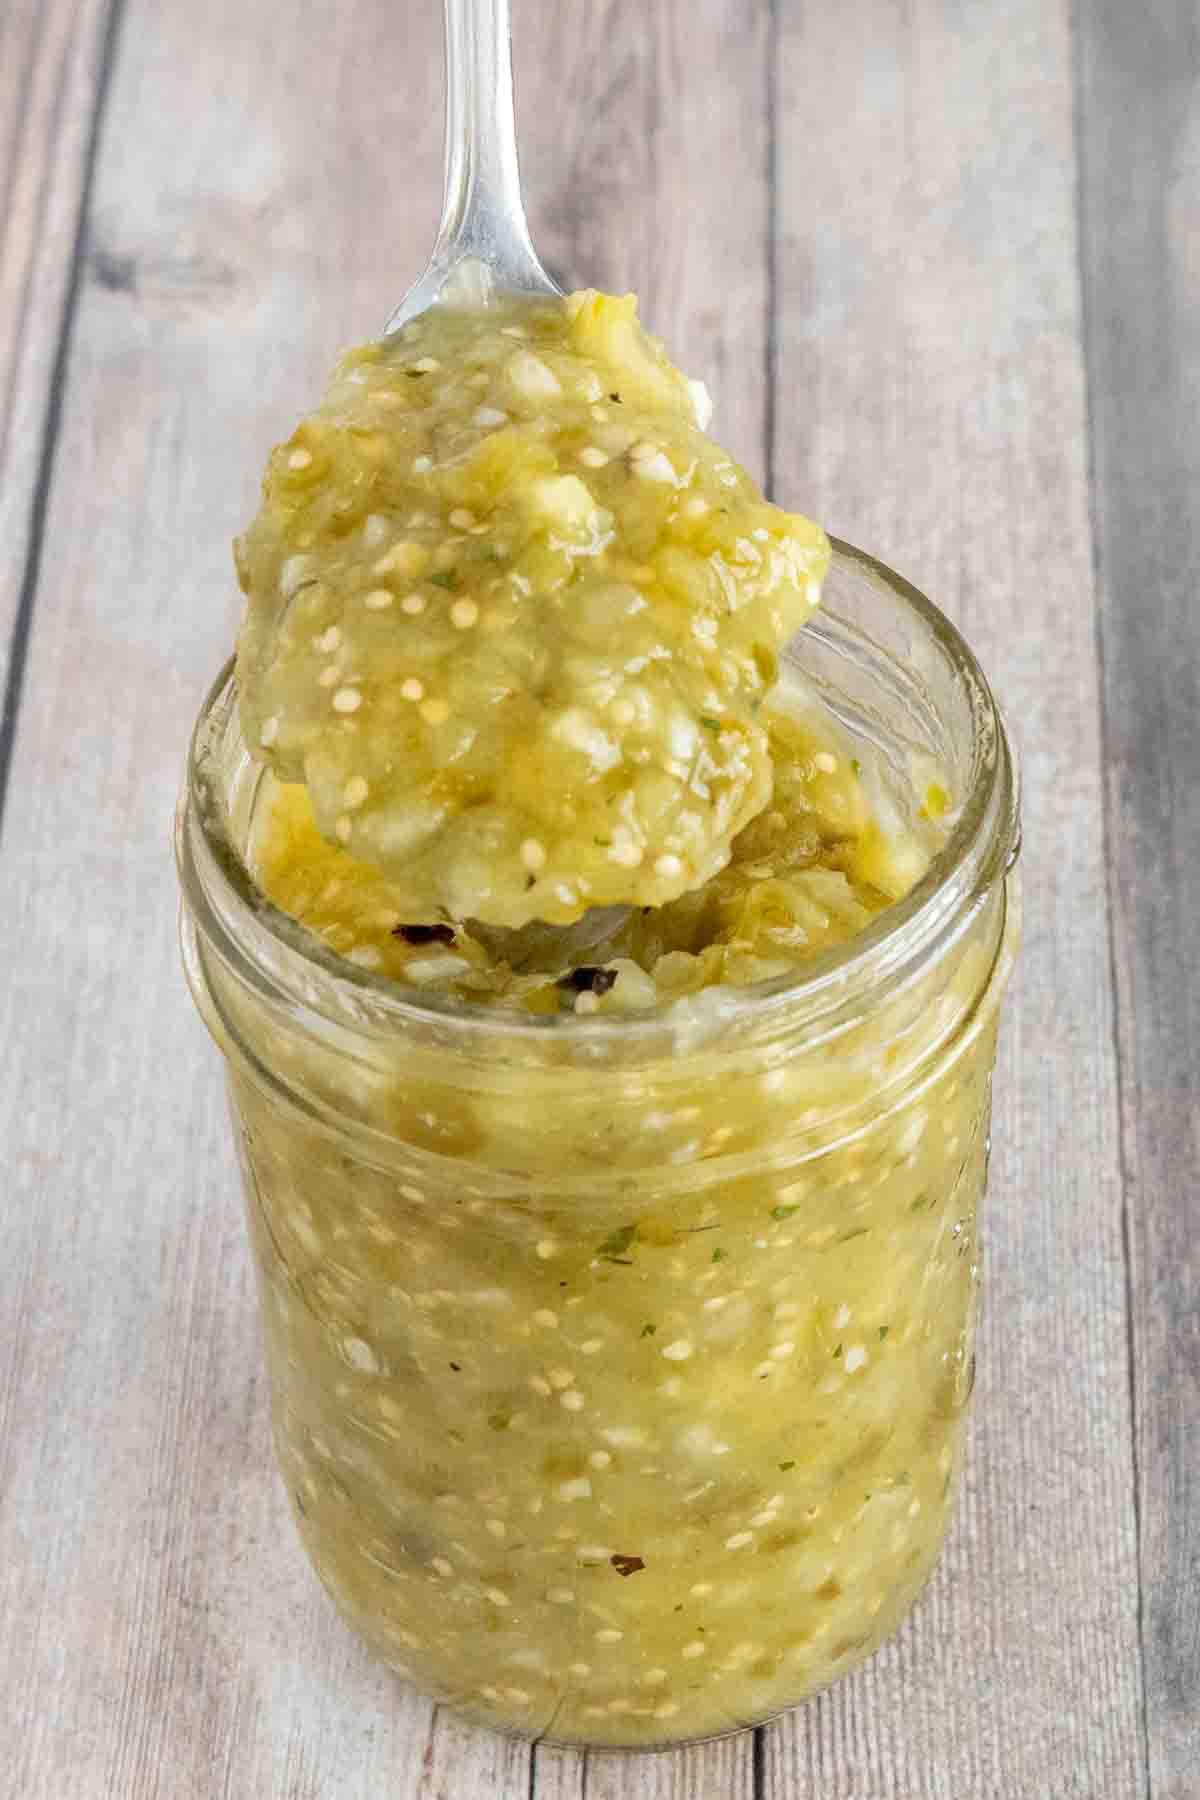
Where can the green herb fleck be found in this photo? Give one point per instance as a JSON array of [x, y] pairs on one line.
[[710, 724], [856, 766], [837, 1352], [614, 1247], [445, 578], [883, 1331], [783, 1212], [604, 843], [718, 1254], [784, 1467], [649, 1330]]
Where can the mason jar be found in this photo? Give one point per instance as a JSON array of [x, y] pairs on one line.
[[619, 1364]]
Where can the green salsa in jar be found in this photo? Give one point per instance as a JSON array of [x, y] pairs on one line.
[[619, 1350]]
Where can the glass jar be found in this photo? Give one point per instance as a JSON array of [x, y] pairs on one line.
[[619, 1365]]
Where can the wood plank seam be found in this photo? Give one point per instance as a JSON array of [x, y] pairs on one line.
[[1109, 862], [47, 451]]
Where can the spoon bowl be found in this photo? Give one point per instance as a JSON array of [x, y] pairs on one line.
[[483, 245]]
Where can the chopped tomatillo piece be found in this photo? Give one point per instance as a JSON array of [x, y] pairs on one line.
[[511, 634]]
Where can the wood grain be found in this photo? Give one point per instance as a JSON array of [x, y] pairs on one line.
[[54, 56], [932, 407], [721, 1771], [888, 211], [1139, 123], [645, 135], [160, 1633]]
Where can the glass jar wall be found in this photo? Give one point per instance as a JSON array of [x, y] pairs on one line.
[[619, 1364]]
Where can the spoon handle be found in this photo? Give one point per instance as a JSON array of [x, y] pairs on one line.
[[483, 216]]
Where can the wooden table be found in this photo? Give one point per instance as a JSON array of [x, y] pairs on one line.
[[939, 264]]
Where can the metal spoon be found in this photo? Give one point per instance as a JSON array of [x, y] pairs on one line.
[[483, 245]]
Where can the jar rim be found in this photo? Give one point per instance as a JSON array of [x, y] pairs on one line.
[[275, 951]]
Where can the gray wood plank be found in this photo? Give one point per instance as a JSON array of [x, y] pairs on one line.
[[1139, 125], [266, 186], [53, 54], [931, 406], [644, 134], [719, 1771], [160, 1632]]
